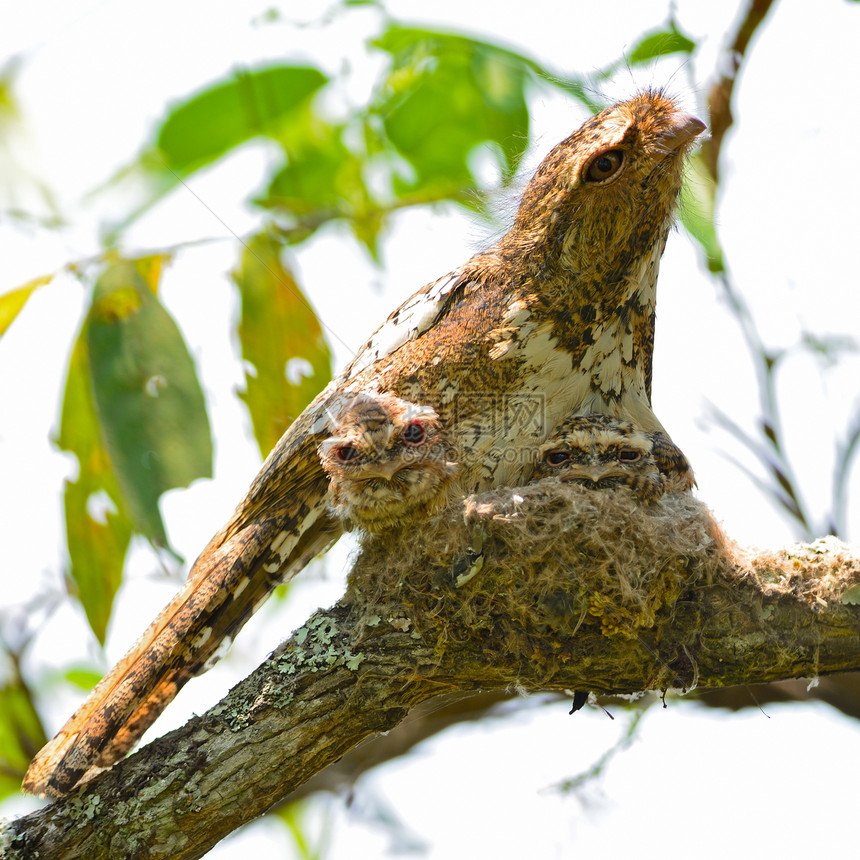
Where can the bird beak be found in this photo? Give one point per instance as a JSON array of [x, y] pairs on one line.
[[684, 129], [386, 470], [594, 473]]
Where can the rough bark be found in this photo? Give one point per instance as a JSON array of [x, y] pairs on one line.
[[549, 588]]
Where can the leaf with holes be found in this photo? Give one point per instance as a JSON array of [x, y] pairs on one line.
[[98, 529], [282, 340], [147, 396]]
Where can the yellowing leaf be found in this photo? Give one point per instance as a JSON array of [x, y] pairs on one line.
[[116, 306], [12, 302], [283, 340], [98, 529], [150, 269]]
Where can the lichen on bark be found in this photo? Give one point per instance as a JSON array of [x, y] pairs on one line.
[[548, 587]]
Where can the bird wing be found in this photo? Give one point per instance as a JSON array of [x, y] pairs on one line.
[[280, 525], [673, 464], [419, 313], [225, 587]]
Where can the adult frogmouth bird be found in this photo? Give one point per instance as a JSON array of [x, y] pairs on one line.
[[600, 451], [388, 463], [557, 317]]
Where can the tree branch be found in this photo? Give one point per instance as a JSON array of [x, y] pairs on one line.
[[720, 96], [549, 587]]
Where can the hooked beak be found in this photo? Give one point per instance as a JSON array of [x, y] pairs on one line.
[[684, 129]]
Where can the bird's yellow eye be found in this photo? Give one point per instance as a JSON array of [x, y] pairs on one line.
[[556, 458], [629, 455], [347, 454], [414, 433], [604, 166]]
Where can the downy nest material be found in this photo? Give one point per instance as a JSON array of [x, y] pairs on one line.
[[525, 568]]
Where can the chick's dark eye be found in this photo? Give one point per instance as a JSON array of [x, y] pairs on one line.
[[347, 454], [414, 433], [629, 455], [605, 166], [556, 458]]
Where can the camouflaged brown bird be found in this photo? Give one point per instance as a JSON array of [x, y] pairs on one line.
[[602, 452], [557, 317]]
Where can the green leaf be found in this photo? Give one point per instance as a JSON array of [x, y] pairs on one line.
[[251, 103], [294, 815], [447, 95], [270, 102], [12, 302], [147, 396], [21, 734], [322, 180], [698, 202], [98, 529], [10, 112], [150, 268], [83, 677], [281, 338], [661, 44], [313, 180]]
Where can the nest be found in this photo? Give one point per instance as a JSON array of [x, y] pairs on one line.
[[524, 569]]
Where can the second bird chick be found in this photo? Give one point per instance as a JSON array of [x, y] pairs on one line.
[[387, 461], [600, 451]]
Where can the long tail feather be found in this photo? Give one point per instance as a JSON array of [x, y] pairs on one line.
[[226, 586]]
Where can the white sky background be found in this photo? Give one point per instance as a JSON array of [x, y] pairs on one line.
[[95, 79]]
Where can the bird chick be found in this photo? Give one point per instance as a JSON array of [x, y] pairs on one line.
[[600, 451], [388, 462]]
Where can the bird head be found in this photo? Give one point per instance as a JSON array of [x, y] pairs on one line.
[[387, 461], [599, 451], [605, 195]]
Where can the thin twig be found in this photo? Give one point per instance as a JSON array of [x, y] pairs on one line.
[[720, 97]]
